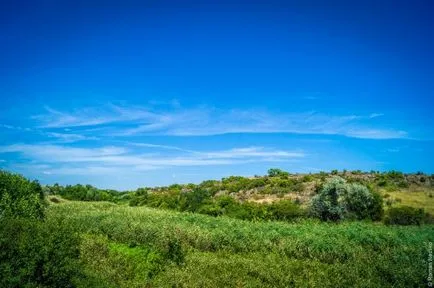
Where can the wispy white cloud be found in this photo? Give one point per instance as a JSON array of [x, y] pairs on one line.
[[376, 134], [375, 115], [93, 116], [12, 127], [66, 159], [63, 137], [57, 153], [204, 121], [252, 152], [158, 146], [69, 137]]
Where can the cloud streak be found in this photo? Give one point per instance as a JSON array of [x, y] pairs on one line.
[[120, 121], [66, 159]]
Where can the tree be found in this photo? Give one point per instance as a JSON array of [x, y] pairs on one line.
[[33, 253], [20, 197], [273, 172]]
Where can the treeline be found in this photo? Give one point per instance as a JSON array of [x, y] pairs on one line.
[[86, 193]]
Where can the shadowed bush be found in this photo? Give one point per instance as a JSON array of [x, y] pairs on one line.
[[38, 254], [404, 215]]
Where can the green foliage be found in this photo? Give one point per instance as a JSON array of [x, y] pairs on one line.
[[192, 201], [212, 186], [327, 205], [38, 254], [87, 193], [391, 180], [116, 264], [338, 200], [274, 172], [201, 201], [235, 184], [375, 210], [404, 215], [34, 252], [360, 203], [284, 210], [307, 178], [20, 197], [256, 183]]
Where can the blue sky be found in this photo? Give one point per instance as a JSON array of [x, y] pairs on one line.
[[123, 94]]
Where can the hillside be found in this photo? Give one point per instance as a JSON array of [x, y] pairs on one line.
[[408, 189]]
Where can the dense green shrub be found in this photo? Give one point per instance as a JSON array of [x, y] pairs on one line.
[[327, 205], [193, 200], [360, 203], [274, 172], [375, 210], [391, 180], [339, 199], [86, 193], [36, 253], [404, 215], [307, 178], [212, 186], [256, 183], [284, 210], [20, 197]]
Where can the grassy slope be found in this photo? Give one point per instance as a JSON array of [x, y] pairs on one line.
[[417, 198], [126, 247]]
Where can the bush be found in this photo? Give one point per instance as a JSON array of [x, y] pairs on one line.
[[20, 197], [273, 172], [284, 210], [192, 201], [404, 215], [34, 253], [339, 199], [403, 184], [326, 205], [307, 178], [360, 203]]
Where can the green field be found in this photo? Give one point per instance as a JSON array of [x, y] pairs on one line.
[[143, 247]]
